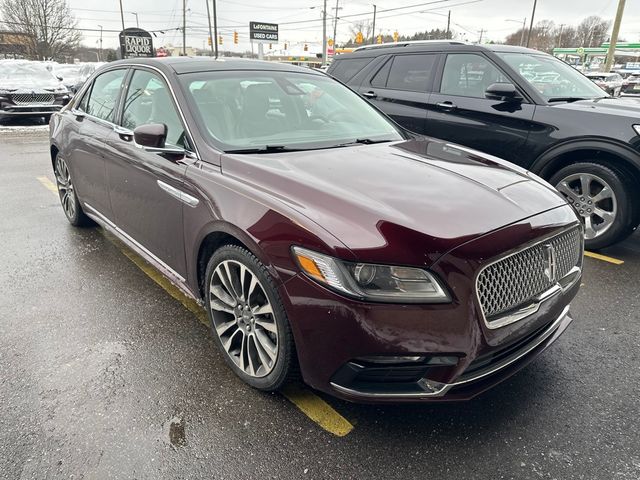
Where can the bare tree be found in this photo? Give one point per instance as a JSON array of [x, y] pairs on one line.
[[364, 26], [592, 31], [49, 22]]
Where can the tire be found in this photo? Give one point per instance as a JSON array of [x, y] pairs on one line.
[[258, 347], [611, 195], [68, 198]]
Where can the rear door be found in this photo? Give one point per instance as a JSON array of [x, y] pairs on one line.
[[400, 86], [459, 111], [92, 120], [145, 187]]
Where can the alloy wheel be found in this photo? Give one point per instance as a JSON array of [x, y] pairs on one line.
[[593, 199], [243, 318], [65, 188]]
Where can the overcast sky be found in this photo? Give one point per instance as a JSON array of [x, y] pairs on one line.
[[467, 17]]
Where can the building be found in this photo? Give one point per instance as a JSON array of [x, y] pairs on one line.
[[16, 44]]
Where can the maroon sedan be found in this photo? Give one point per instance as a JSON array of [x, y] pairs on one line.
[[323, 240]]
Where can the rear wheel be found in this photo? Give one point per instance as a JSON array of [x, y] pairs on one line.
[[248, 320], [603, 198], [70, 204]]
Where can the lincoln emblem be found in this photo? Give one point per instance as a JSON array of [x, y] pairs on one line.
[[550, 262]]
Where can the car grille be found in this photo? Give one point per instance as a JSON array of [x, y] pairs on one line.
[[519, 278], [33, 98]]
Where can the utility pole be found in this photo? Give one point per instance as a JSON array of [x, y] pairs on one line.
[[373, 35], [449, 24], [212, 39], [100, 55], [533, 14], [122, 19], [481, 32], [335, 24], [559, 42], [524, 29], [614, 36], [184, 27], [215, 28], [324, 33]]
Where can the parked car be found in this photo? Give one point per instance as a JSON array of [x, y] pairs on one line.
[[29, 89], [609, 82], [317, 233], [518, 104], [84, 73], [631, 85], [69, 74]]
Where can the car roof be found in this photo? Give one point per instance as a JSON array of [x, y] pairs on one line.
[[182, 65], [432, 46]]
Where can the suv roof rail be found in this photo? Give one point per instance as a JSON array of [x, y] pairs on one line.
[[409, 43]]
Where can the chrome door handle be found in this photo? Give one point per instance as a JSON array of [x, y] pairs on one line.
[[369, 94], [446, 105]]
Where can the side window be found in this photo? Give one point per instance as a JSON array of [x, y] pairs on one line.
[[411, 72], [346, 69], [469, 75], [103, 97], [380, 78], [149, 100]]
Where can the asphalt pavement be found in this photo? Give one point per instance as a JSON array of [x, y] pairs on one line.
[[106, 374]]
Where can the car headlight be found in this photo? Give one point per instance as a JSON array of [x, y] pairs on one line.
[[637, 129], [373, 282]]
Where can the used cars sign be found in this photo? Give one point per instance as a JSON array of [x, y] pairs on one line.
[[263, 32], [135, 42]]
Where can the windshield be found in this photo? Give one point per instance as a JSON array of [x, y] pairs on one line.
[[24, 71], [252, 109], [551, 77]]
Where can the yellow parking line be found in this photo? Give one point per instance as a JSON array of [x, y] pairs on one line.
[[305, 400], [318, 410], [48, 184], [604, 258]]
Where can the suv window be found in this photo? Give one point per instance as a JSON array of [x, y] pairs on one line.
[[411, 72], [469, 75], [345, 69], [149, 100], [103, 95], [380, 78]]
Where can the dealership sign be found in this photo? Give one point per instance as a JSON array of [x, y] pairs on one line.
[[135, 42], [263, 32]]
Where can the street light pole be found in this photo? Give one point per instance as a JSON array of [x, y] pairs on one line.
[[215, 27], [533, 14], [614, 36], [335, 25], [324, 33], [524, 29], [184, 28], [100, 55], [136, 14], [373, 36], [211, 37]]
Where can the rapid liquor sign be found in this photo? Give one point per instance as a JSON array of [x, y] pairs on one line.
[[135, 42], [263, 32]]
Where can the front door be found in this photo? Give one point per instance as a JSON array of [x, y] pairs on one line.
[[142, 184], [459, 111]]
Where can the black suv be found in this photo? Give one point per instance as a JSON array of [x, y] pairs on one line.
[[518, 104]]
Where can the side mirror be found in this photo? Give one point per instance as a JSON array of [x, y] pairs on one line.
[[59, 78], [152, 135], [503, 92]]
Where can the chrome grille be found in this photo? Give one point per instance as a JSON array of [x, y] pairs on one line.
[[517, 279], [33, 98]]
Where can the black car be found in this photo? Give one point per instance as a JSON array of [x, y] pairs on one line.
[[519, 104]]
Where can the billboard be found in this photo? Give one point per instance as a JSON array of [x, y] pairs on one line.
[[263, 32], [135, 42]]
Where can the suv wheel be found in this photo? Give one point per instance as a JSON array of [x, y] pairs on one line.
[[602, 197], [248, 320], [68, 199]]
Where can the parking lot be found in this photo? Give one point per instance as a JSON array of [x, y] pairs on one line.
[[108, 372]]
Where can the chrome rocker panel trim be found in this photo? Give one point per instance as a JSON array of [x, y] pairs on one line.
[[436, 389], [174, 277]]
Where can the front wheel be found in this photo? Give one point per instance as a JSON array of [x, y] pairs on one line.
[[602, 197], [68, 199], [248, 320]]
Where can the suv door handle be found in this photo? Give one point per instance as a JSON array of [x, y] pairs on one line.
[[369, 94], [446, 105]]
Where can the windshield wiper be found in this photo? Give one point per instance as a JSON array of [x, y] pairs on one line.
[[363, 141], [265, 149], [568, 99]]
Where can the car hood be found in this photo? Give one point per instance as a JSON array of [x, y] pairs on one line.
[[421, 197], [620, 106], [30, 84]]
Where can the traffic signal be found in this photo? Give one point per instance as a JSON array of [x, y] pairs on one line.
[[219, 39], [379, 39], [235, 37], [395, 36], [330, 42], [209, 41], [359, 37], [285, 46], [269, 46], [306, 47]]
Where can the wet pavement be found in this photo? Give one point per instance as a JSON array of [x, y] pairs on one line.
[[105, 375]]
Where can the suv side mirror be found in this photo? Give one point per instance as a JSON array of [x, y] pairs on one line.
[[504, 92]]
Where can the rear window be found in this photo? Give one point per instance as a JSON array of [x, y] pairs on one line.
[[346, 68]]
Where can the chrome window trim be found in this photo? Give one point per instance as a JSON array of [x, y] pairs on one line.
[[436, 389], [174, 277], [529, 309]]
